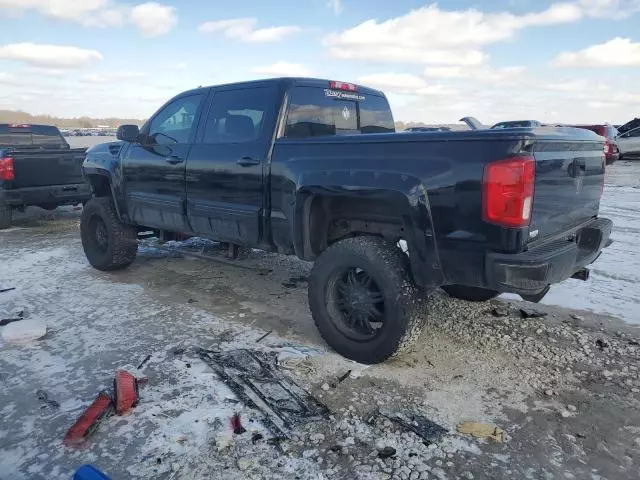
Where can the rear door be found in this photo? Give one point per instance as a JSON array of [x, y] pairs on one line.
[[568, 183], [154, 167], [226, 166]]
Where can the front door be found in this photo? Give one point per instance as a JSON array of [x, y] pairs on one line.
[[225, 174], [154, 168]]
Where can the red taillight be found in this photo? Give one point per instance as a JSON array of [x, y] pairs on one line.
[[7, 172], [349, 87], [507, 197]]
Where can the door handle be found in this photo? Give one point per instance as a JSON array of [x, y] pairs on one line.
[[247, 162], [174, 159]]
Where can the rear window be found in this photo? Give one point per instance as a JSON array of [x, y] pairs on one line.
[[315, 112], [33, 135]]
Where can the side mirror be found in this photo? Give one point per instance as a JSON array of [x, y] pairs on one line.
[[128, 133]]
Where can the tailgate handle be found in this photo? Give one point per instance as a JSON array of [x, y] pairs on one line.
[[174, 160]]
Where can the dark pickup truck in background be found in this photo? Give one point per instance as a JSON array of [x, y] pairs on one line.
[[314, 168], [37, 167]]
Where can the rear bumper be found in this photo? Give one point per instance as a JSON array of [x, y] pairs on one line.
[[531, 271], [48, 195]]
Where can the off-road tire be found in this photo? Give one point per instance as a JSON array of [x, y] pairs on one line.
[[470, 294], [386, 264], [6, 213], [122, 244]]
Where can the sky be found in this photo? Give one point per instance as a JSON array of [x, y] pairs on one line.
[[573, 61]]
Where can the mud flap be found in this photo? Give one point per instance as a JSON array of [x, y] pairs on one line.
[[254, 378], [125, 388], [89, 420]]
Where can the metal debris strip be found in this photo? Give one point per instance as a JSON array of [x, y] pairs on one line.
[[205, 255], [255, 379], [429, 431], [2, 290]]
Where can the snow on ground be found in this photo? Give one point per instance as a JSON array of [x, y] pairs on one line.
[[614, 285]]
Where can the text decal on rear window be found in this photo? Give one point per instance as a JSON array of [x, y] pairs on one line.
[[343, 95]]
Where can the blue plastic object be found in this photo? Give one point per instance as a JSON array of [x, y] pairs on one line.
[[89, 472]]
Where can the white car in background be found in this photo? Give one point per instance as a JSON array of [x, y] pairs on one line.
[[629, 143]]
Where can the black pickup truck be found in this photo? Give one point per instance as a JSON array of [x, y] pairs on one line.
[[37, 167], [314, 168]]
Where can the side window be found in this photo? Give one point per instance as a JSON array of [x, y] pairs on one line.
[[173, 124], [236, 116], [634, 133]]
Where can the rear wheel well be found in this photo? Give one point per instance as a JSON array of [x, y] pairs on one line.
[[100, 185], [330, 219]]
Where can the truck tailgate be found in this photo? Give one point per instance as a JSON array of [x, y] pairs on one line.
[[568, 186], [36, 168]]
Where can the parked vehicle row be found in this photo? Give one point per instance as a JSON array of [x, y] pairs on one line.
[[314, 168]]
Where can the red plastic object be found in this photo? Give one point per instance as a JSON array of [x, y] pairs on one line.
[[125, 387], [89, 420], [236, 424]]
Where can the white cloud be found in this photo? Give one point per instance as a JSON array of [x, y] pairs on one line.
[[50, 56], [110, 77], [284, 69], [243, 29], [404, 83], [609, 8], [433, 36], [178, 66], [479, 74], [336, 6], [154, 19], [151, 18], [618, 52]]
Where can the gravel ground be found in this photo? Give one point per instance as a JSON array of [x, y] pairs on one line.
[[563, 386]]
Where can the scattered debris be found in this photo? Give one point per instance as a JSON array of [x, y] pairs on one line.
[[46, 403], [256, 437], [294, 282], [532, 313], [344, 376], [576, 317], [601, 344], [7, 321], [264, 336], [178, 351], [481, 430], [146, 359], [429, 431], [253, 377], [125, 387], [236, 424], [325, 387], [89, 472], [89, 421], [500, 312], [634, 342], [192, 300], [386, 452], [572, 408], [24, 332], [2, 290], [336, 448]]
